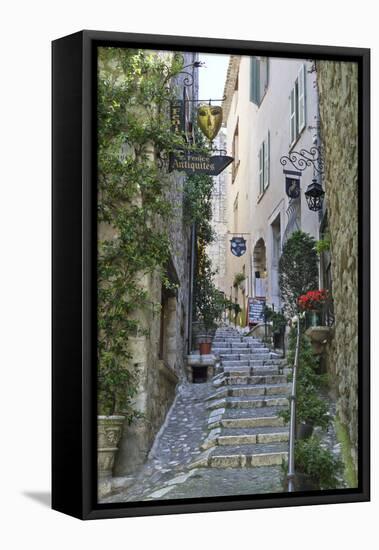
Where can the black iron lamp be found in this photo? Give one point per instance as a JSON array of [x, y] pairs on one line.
[[314, 195], [301, 160]]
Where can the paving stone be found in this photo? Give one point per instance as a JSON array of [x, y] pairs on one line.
[[228, 441]]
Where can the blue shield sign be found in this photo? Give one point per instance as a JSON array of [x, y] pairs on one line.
[[238, 246]]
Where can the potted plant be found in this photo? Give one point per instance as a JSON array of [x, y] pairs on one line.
[[278, 322], [239, 278], [210, 309], [209, 303], [312, 303], [117, 385], [316, 467], [311, 409]]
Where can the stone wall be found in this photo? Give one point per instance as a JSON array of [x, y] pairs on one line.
[[159, 373], [338, 92]]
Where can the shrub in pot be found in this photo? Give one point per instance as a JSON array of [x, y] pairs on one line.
[[117, 385], [311, 409], [210, 304], [316, 467]]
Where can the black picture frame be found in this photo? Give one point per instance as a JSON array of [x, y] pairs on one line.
[[74, 281]]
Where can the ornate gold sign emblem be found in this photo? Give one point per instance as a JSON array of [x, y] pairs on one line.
[[209, 118]]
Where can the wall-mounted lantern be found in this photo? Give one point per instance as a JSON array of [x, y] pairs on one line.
[[314, 195], [301, 160]]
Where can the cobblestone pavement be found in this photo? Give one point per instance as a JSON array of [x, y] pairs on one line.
[[222, 437], [167, 475]]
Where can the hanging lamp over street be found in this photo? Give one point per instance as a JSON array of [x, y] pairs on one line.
[[314, 195]]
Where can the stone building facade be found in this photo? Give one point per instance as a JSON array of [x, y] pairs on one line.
[[217, 250], [338, 97], [160, 354], [270, 110]]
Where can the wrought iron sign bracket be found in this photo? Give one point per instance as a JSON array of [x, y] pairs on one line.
[[302, 159]]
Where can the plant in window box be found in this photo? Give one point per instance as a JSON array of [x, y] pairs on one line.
[[312, 303]]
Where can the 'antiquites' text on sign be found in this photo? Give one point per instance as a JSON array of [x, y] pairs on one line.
[[194, 163]]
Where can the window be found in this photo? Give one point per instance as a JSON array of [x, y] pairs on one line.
[[235, 153], [297, 106], [264, 165], [259, 74]]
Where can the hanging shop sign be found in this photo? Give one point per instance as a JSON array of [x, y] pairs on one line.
[[194, 163], [238, 246], [255, 310], [209, 119], [292, 180], [177, 116], [292, 187]]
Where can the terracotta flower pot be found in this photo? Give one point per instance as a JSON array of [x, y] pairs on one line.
[[205, 348]]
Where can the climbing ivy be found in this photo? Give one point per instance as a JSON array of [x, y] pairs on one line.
[[134, 141], [209, 302]]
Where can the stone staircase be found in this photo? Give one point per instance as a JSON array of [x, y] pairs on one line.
[[250, 389]]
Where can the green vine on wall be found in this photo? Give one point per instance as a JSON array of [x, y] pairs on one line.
[[133, 137]]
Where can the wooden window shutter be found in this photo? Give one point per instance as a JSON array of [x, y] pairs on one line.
[[254, 81], [266, 167], [293, 123], [301, 97]]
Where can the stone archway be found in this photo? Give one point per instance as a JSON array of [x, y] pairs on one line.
[[260, 269]]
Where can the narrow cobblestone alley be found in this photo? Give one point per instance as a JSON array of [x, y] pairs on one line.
[[222, 437]]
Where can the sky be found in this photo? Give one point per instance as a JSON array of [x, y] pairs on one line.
[[212, 76]]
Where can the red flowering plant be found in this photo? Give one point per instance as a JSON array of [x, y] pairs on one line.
[[314, 299]]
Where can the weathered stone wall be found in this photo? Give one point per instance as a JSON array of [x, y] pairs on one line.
[[159, 376], [338, 91]]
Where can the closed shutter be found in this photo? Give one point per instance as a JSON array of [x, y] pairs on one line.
[[266, 168], [261, 162], [293, 122], [301, 97], [254, 81]]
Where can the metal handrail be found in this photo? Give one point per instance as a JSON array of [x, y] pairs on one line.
[[291, 451]]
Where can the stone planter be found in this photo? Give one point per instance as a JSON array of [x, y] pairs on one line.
[[109, 431], [319, 337]]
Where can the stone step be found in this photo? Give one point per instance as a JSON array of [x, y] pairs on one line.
[[252, 439], [253, 363], [240, 403], [237, 402], [240, 357], [253, 371], [250, 390], [258, 424], [268, 412], [258, 359], [254, 429], [248, 456], [246, 380], [259, 389], [238, 351]]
